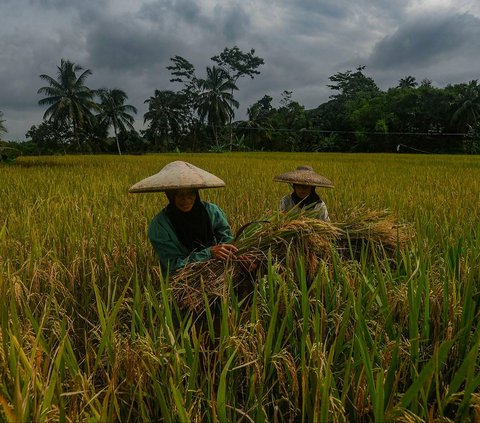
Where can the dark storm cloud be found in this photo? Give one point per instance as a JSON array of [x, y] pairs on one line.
[[25, 55], [426, 41], [230, 21], [235, 21], [66, 4], [120, 46], [328, 9], [164, 11], [53, 4], [340, 19]]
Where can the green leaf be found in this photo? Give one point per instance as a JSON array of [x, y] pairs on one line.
[[222, 390]]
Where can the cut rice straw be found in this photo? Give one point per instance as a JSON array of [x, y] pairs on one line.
[[285, 237]]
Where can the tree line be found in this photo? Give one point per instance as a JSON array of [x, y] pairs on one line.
[[358, 115]]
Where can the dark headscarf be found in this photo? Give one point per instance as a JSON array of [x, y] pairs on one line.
[[193, 228], [312, 198]]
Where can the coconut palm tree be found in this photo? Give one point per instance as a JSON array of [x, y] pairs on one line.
[[407, 82], [168, 114], [3, 128], [215, 101], [467, 105], [114, 112], [69, 99]]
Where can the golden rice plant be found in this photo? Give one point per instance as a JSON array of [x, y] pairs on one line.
[[375, 330]]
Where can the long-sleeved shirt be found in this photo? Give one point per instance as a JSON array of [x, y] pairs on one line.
[[286, 204], [171, 253]]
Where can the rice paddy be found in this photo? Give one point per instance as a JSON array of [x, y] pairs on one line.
[[91, 331]]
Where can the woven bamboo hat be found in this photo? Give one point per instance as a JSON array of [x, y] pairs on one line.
[[177, 175], [304, 175]]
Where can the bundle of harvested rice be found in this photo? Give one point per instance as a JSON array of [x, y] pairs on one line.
[[375, 227], [283, 238]]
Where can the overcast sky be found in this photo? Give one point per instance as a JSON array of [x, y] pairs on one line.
[[127, 44]]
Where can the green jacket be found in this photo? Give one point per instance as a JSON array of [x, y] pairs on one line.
[[171, 253]]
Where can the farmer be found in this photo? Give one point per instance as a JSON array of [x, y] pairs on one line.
[[187, 230], [304, 180]]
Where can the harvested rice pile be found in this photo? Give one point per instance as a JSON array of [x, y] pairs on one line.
[[285, 237]]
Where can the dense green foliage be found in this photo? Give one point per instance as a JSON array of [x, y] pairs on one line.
[[90, 332], [199, 116]]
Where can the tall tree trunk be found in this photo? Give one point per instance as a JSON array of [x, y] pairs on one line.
[[75, 136], [230, 121], [215, 137], [116, 138]]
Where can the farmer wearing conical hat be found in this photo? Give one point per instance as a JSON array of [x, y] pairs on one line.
[[187, 230], [304, 180]]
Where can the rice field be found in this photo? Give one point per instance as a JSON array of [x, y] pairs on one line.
[[90, 331]]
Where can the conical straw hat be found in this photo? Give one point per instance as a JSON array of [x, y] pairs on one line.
[[304, 175], [176, 175]]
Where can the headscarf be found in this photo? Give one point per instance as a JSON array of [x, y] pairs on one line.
[[194, 228], [312, 198]]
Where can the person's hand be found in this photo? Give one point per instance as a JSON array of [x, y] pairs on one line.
[[223, 251]]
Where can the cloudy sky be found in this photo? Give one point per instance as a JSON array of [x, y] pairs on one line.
[[127, 44]]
